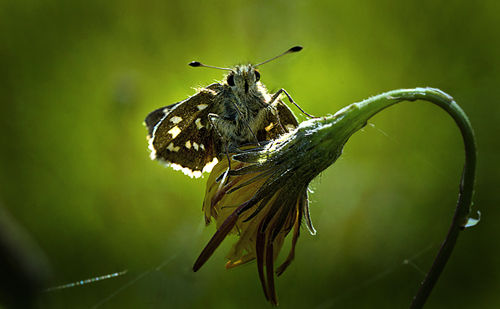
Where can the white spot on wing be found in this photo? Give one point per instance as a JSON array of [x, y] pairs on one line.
[[202, 147], [153, 150], [153, 155], [171, 147], [174, 131], [208, 168], [188, 145], [195, 146], [202, 106], [175, 119], [198, 124], [270, 127], [186, 171]]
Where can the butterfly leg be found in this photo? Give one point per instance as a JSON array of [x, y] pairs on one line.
[[277, 94], [276, 113], [212, 118]]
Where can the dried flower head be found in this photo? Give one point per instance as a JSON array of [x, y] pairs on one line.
[[265, 195]]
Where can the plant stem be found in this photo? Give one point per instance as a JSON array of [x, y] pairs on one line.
[[466, 189]]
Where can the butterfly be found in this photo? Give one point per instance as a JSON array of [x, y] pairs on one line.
[[193, 134]]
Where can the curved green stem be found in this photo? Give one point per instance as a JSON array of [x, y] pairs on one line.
[[466, 189]]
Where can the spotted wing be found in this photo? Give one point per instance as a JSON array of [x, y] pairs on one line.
[[180, 135], [156, 116], [280, 120]]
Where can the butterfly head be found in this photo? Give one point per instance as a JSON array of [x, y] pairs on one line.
[[243, 79]]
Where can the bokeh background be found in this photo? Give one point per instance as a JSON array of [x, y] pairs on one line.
[[77, 79]]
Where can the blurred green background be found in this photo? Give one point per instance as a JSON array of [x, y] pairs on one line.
[[77, 79]]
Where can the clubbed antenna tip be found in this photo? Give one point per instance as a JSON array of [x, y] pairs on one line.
[[194, 64], [199, 64], [291, 50]]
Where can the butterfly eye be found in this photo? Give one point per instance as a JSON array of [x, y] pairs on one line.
[[257, 75], [230, 80]]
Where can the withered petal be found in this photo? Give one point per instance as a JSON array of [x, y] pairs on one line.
[[291, 255], [288, 210], [217, 239], [271, 288], [251, 180], [260, 248], [304, 205]]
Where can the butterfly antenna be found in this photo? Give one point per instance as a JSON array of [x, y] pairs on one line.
[[195, 64], [291, 50]]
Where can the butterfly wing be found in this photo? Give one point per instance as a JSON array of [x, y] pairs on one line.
[[180, 135], [156, 116], [280, 120]]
